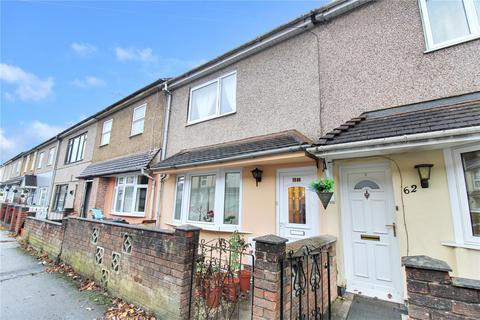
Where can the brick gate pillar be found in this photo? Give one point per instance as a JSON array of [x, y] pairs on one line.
[[269, 257]]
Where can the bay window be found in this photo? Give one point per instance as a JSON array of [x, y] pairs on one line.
[[213, 99], [130, 195], [210, 199], [448, 22]]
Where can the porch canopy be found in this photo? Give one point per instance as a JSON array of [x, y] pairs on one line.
[[131, 163], [271, 144], [421, 126], [12, 182]]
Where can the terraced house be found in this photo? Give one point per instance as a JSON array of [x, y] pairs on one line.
[[381, 96]]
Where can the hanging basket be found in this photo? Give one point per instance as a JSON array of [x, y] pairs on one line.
[[325, 198]]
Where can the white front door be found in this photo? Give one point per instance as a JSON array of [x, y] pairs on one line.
[[372, 255], [297, 205]]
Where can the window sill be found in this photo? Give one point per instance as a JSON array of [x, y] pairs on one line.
[[453, 43], [103, 145], [128, 215], [210, 228], [209, 118], [135, 135], [462, 245]]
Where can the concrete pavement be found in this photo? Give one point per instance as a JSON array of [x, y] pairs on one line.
[[28, 292]]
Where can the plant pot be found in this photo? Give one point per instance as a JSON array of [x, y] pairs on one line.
[[244, 276], [325, 198], [230, 286], [213, 295]]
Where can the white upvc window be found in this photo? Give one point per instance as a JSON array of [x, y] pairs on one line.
[[138, 120], [463, 172], [26, 164], [32, 164], [211, 200], [107, 128], [449, 22], [42, 197], [19, 165], [213, 99], [130, 196], [51, 155], [40, 160]]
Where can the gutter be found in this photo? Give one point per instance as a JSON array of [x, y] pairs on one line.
[[166, 121], [388, 143], [250, 155]]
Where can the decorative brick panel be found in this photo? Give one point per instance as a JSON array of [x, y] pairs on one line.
[[433, 294]]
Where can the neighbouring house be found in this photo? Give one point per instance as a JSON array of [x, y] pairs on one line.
[[74, 155], [243, 138], [128, 138], [12, 179]]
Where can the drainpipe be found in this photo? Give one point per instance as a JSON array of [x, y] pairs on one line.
[[167, 121], [54, 173], [150, 211]]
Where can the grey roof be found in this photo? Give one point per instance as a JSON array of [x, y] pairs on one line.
[[226, 151], [13, 181], [126, 164], [401, 121]]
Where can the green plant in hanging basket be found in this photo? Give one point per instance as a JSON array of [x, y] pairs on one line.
[[324, 189]]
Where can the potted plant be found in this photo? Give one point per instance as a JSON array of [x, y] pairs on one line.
[[213, 288], [238, 245], [324, 189], [230, 286]]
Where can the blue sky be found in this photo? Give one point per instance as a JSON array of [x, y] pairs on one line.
[[62, 61]]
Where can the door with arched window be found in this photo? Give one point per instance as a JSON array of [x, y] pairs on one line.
[[372, 255]]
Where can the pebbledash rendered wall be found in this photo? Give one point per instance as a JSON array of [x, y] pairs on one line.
[[148, 267]]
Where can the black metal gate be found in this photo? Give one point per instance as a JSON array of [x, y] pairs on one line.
[[222, 280], [308, 287]]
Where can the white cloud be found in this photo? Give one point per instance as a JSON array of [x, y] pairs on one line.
[[28, 135], [28, 85], [83, 49], [6, 145], [144, 55], [88, 82]]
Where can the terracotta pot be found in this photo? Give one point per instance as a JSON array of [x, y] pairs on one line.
[[230, 286], [325, 198], [244, 276], [213, 295]]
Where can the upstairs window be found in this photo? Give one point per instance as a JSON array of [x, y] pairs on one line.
[[26, 164], [19, 165], [107, 128], [448, 22], [51, 154], [213, 99], [76, 148], [138, 119], [130, 196], [32, 164], [40, 160]]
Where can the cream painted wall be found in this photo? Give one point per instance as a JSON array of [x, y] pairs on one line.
[[427, 214], [258, 203]]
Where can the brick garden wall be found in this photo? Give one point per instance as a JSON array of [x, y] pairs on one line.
[[433, 294], [149, 267], [44, 235]]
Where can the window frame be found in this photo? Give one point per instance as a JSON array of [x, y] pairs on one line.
[[56, 197], [217, 114], [103, 133], [27, 162], [51, 156], [136, 186], [70, 145], [32, 164], [458, 195], [40, 160], [132, 134], [218, 223], [471, 15]]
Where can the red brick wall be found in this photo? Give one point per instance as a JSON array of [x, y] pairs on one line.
[[433, 294], [3, 210], [154, 273]]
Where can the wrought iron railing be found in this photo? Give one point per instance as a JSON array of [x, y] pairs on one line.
[[223, 282], [307, 293]]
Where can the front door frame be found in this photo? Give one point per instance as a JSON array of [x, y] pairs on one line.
[[305, 170], [346, 232]]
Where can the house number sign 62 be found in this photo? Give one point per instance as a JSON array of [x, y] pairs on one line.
[[412, 188]]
